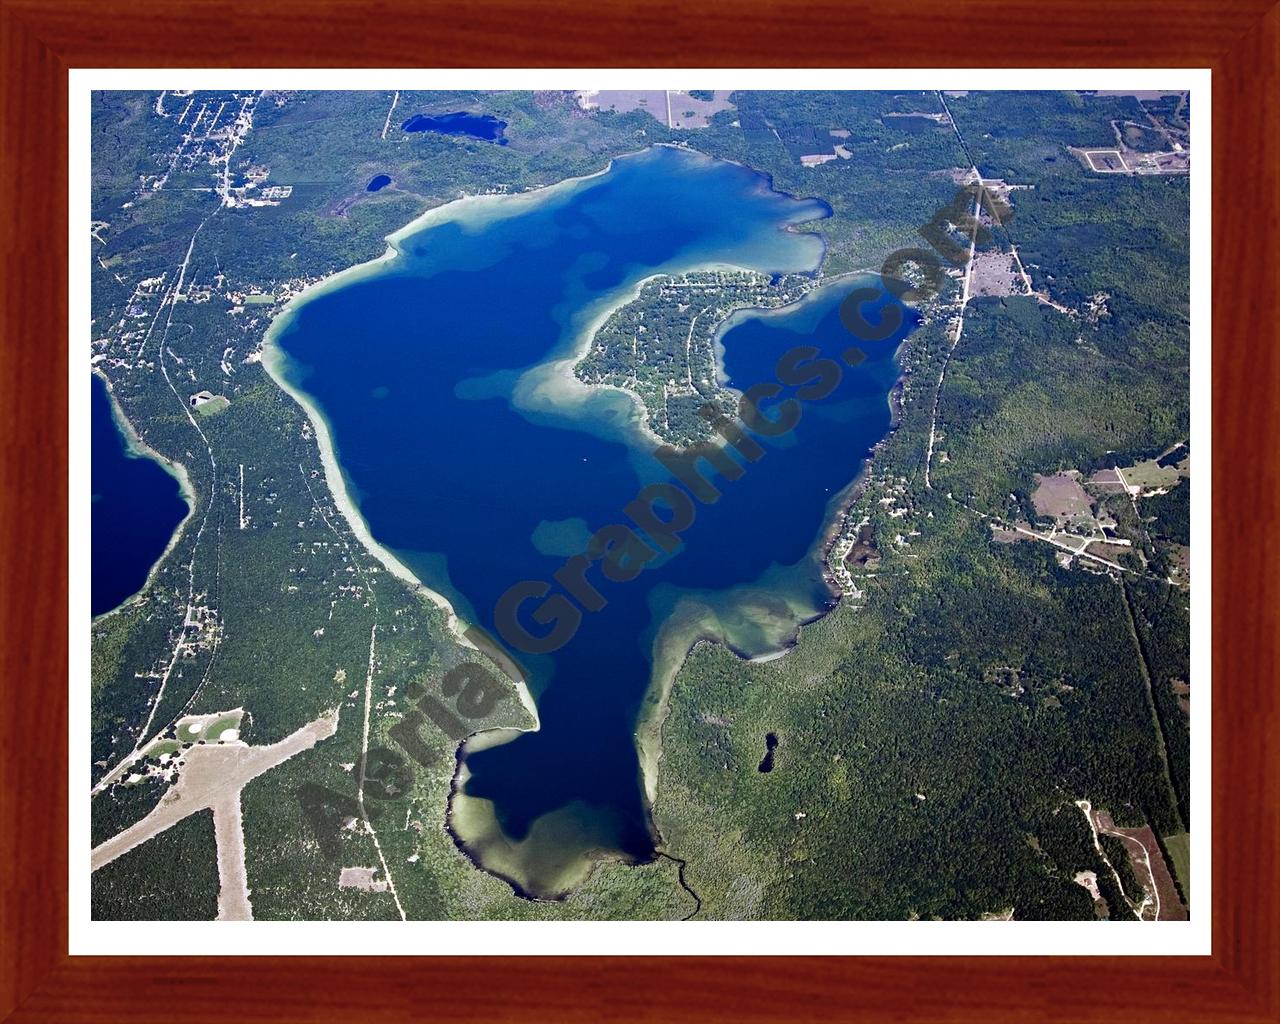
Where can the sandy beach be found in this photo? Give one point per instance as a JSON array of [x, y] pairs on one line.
[[468, 209], [553, 385], [667, 664], [272, 362], [175, 469], [550, 386]]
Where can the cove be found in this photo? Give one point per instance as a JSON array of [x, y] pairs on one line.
[[444, 377], [137, 506]]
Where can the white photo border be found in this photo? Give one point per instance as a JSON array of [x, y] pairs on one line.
[[612, 938]]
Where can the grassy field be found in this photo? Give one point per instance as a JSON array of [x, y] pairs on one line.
[[1179, 847], [1150, 474]]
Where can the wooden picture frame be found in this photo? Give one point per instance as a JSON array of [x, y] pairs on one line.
[[42, 39]]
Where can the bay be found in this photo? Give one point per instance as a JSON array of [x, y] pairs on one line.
[[444, 377]]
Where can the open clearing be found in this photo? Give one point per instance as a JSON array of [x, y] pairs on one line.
[[1149, 866], [361, 878], [219, 727], [1179, 847], [674, 108], [1088, 880], [994, 274], [1131, 161], [212, 778], [1108, 481], [622, 100], [1151, 475], [1062, 497], [688, 112]]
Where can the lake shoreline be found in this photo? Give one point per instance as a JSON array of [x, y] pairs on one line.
[[555, 382], [562, 373], [273, 364], [656, 704], [275, 361], [137, 446], [469, 209], [452, 826]]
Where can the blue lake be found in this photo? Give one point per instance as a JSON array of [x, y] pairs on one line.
[[480, 464], [477, 126], [378, 182], [137, 504]]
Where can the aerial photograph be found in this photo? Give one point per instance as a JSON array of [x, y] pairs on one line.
[[639, 505]]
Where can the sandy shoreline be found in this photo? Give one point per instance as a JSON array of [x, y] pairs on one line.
[[556, 382], [541, 386], [177, 470], [550, 385], [346, 506], [466, 209], [656, 706]]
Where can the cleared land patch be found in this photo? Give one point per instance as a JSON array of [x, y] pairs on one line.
[[1179, 847], [674, 108], [361, 878], [1154, 474], [220, 727], [1061, 497], [993, 274], [1163, 902], [211, 779]]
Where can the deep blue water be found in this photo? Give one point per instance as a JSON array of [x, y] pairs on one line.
[[378, 181], [478, 126], [137, 505], [457, 465]]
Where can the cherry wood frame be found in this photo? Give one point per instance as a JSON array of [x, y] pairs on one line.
[[41, 39]]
